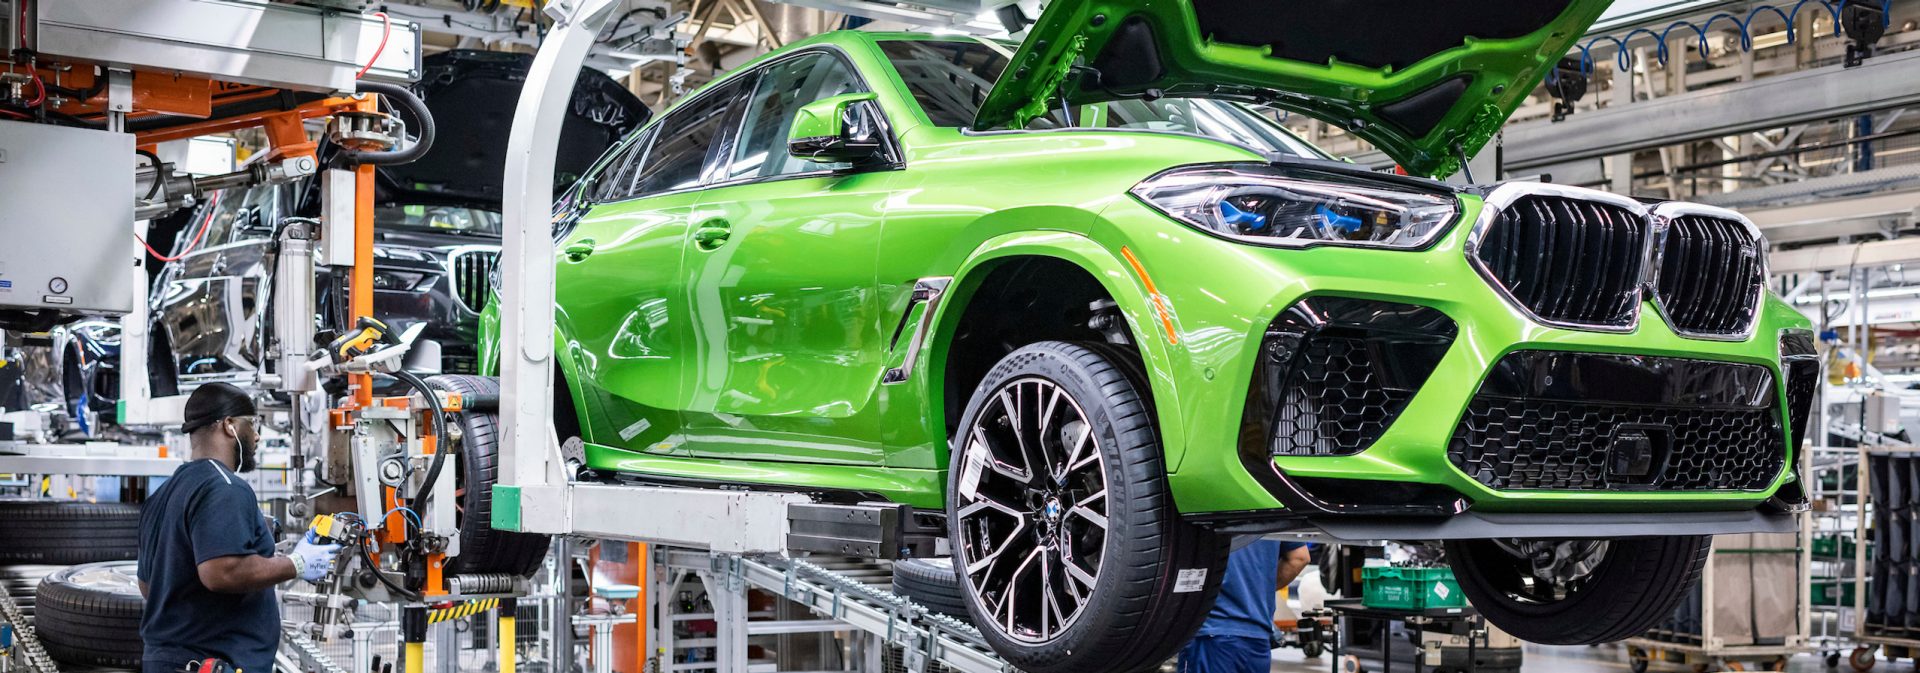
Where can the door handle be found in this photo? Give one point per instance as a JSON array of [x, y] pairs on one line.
[[579, 251], [712, 234]]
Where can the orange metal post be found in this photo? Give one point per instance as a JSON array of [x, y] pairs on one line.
[[360, 289]]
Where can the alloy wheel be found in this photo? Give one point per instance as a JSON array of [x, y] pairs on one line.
[[1545, 571], [1032, 509]]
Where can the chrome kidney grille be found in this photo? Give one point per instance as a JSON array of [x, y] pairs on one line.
[[1568, 261], [472, 268], [1712, 271], [1585, 259]]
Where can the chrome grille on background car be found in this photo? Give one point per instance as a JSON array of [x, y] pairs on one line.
[[1712, 269], [472, 268], [1568, 257]]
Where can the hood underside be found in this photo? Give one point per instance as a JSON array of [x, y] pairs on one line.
[[1426, 81], [472, 95]]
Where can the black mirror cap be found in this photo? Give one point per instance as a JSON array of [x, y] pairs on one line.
[[862, 142]]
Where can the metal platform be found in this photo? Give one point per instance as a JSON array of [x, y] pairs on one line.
[[93, 459], [888, 626]]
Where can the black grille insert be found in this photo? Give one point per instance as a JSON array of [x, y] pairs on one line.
[[1800, 363], [472, 270], [1335, 372], [1710, 275], [1576, 421], [1569, 261]]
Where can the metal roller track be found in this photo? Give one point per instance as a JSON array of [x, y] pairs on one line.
[[925, 636], [36, 655]]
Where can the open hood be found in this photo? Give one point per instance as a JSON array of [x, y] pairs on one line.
[[472, 95], [1424, 80]]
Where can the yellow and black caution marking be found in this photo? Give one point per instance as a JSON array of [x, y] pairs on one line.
[[466, 609]]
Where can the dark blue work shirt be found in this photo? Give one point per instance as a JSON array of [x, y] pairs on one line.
[[201, 513], [1247, 591]]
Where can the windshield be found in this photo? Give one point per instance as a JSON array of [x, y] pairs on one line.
[[438, 219], [950, 78]]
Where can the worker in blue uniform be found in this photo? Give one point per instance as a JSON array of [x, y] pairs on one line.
[[1238, 634], [207, 563]]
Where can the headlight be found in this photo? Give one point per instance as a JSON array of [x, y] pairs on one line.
[[1272, 208], [396, 280]]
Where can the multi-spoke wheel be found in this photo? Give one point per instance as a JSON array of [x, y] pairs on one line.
[[1033, 536], [1068, 547], [1577, 592]]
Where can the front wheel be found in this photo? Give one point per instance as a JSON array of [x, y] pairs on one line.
[[1577, 592], [1072, 556]]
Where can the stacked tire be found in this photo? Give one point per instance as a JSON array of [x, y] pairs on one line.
[[931, 583], [53, 532], [89, 615]]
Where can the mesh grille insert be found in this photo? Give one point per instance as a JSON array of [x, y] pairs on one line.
[[1563, 421]]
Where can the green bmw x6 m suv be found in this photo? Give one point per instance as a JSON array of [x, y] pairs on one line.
[[1085, 301]]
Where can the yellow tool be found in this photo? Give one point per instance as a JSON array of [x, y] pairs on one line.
[[368, 335]]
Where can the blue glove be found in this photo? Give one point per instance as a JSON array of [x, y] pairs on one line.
[[312, 560]]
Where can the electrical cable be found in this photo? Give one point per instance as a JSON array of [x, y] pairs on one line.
[[443, 447], [212, 211], [154, 188], [417, 523], [405, 98], [386, 29], [373, 566]]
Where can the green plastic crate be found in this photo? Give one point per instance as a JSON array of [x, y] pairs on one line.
[[1394, 588], [1832, 591]]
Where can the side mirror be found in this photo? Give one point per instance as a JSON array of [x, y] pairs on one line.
[[840, 129]]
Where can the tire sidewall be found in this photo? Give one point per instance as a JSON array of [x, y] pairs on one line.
[[1076, 381]]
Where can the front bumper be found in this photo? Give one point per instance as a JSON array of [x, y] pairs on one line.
[[1220, 296]]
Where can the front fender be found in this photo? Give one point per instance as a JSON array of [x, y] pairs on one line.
[[1113, 273]]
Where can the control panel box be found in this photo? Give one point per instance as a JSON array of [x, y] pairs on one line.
[[66, 219]]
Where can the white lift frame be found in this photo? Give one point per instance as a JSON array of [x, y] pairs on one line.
[[738, 533]]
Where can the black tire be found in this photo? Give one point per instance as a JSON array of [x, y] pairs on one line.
[[482, 548], [64, 533], [89, 615], [933, 584], [1131, 618], [1635, 585], [1637, 660]]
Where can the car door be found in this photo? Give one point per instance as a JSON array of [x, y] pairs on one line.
[[786, 322], [620, 285]]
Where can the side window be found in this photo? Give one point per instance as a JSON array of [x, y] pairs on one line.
[[615, 181], [681, 141], [783, 88]]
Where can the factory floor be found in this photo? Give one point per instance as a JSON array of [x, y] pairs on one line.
[[1602, 659]]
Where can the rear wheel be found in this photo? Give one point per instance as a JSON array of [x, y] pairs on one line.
[[482, 548], [1577, 592], [1071, 554]]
